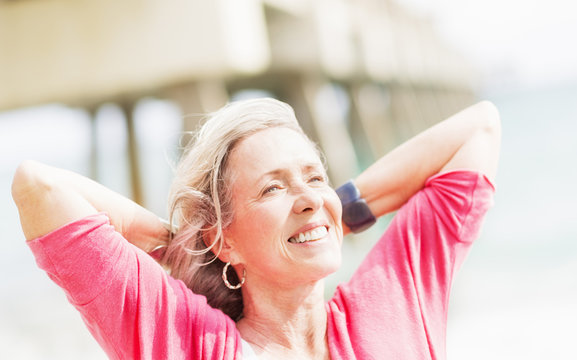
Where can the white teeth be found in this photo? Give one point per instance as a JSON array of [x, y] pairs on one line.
[[314, 234]]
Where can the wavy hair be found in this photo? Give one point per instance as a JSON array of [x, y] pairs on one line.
[[200, 197]]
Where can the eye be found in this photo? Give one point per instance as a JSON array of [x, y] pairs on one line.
[[317, 179], [272, 188]]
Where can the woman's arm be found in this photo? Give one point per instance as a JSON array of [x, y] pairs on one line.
[[469, 140], [48, 198]]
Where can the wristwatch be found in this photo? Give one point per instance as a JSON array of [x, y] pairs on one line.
[[356, 213]]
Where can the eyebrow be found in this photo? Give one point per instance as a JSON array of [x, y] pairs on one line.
[[307, 167]]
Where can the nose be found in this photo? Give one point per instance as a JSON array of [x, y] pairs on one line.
[[307, 200]]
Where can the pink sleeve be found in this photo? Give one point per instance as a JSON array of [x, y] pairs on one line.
[[129, 303], [402, 288]]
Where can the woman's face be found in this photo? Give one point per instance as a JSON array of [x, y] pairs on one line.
[[287, 219]]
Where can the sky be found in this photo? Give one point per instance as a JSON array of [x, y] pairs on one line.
[[530, 43]]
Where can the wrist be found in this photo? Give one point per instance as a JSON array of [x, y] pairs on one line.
[[357, 215]]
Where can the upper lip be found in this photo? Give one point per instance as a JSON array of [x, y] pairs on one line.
[[309, 227]]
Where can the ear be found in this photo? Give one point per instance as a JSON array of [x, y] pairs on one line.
[[226, 253]]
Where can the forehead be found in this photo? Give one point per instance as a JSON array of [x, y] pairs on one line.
[[272, 149]]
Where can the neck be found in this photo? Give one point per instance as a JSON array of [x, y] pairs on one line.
[[290, 323]]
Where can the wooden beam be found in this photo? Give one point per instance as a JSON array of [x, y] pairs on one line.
[[127, 108]]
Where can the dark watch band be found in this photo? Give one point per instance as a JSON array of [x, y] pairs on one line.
[[356, 213]]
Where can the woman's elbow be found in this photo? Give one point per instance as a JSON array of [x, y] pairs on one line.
[[27, 182], [489, 137], [491, 118]]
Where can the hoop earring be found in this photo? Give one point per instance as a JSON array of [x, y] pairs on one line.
[[225, 279]]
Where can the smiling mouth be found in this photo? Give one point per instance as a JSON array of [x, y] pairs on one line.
[[311, 235]]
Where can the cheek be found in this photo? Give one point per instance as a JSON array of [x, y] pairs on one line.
[[334, 205], [335, 208], [256, 230], [260, 226]]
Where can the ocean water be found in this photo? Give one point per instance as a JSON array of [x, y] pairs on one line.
[[515, 297]]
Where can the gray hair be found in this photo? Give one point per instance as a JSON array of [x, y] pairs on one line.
[[200, 197]]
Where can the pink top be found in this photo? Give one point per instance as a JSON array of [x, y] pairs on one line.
[[394, 307]]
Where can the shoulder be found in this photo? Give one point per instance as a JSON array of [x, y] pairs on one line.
[[455, 201], [460, 185]]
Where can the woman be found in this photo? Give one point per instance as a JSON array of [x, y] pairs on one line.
[[259, 228]]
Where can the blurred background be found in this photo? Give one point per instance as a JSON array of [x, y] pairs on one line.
[[106, 88]]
